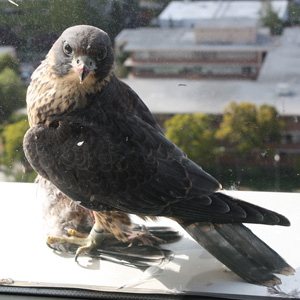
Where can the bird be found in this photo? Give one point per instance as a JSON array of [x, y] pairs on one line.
[[97, 142]]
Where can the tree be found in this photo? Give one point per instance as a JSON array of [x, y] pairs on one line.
[[250, 128], [7, 61], [13, 140], [251, 131], [121, 70], [12, 93], [64, 14], [194, 134], [239, 126], [12, 156], [12, 97], [269, 125], [36, 24], [269, 18]]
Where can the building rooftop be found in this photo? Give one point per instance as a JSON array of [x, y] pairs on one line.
[[278, 85], [283, 62], [165, 39], [186, 13], [211, 96], [221, 23]]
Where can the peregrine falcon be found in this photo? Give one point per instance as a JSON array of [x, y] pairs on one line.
[[94, 139]]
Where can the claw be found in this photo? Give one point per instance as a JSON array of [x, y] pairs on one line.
[[143, 237], [91, 244], [74, 232], [92, 241], [87, 242]]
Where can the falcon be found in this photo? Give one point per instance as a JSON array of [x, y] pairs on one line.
[[93, 138]]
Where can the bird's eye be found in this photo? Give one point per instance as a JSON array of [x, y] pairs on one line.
[[101, 53], [67, 49]]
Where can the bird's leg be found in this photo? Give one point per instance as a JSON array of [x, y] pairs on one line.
[[93, 240], [87, 241], [107, 225]]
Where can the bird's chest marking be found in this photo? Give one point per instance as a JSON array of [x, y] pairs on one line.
[[54, 98], [50, 95]]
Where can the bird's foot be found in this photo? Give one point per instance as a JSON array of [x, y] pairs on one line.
[[87, 242], [143, 237]]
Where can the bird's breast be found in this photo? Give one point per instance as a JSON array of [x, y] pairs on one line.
[[49, 95]]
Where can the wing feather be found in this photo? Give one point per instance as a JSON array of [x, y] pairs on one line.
[[112, 155]]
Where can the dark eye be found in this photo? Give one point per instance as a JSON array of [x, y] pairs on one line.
[[67, 49], [101, 53]]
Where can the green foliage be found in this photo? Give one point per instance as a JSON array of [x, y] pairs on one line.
[[29, 15], [122, 71], [249, 128], [13, 140], [7, 61], [194, 134], [12, 96], [239, 126], [12, 93], [36, 24], [12, 155], [25, 177], [269, 18], [68, 13], [269, 126]]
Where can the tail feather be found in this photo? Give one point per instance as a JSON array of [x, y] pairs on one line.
[[243, 237], [241, 251]]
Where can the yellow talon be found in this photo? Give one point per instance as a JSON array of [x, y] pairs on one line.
[[74, 232]]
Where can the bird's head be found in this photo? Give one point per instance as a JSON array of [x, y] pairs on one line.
[[84, 51]]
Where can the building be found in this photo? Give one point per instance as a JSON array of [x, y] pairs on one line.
[[278, 84], [223, 48], [281, 68], [202, 39], [189, 13]]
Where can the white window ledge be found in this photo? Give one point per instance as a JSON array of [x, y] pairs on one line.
[[27, 261]]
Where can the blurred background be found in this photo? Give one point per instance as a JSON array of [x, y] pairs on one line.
[[221, 77]]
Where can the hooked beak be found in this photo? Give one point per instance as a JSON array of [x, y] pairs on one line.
[[83, 66], [83, 71]]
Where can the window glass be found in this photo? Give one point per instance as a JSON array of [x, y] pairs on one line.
[[222, 79]]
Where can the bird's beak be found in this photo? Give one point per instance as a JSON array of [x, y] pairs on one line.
[[83, 66], [83, 71]]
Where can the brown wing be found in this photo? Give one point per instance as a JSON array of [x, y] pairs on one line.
[[111, 156]]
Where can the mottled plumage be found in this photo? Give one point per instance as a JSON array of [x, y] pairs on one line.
[[96, 141], [62, 216]]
